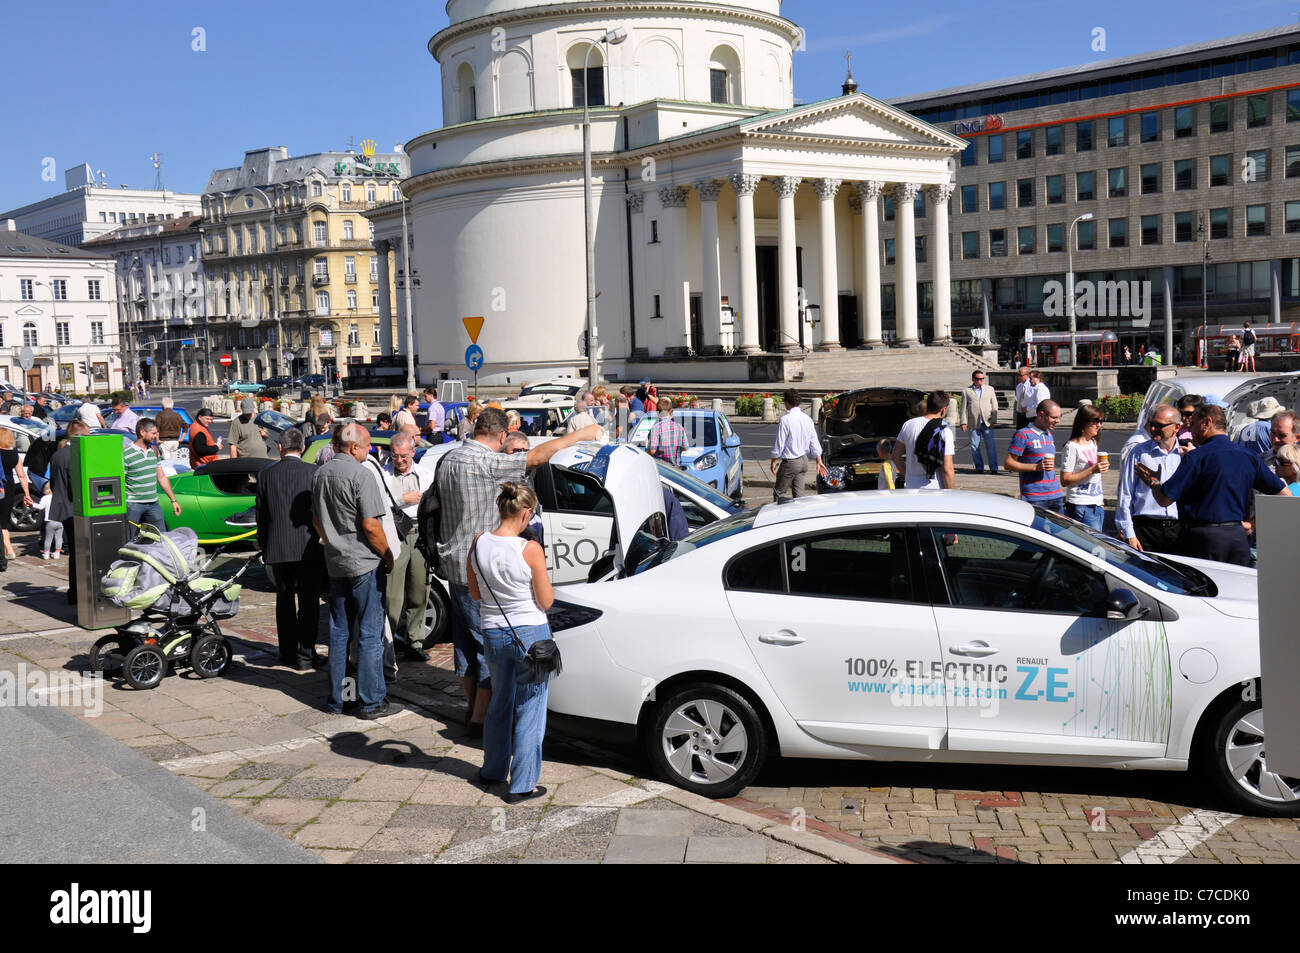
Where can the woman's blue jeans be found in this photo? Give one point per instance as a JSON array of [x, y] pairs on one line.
[[516, 717], [1089, 514]]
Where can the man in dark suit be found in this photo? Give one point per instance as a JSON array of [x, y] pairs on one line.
[[292, 550]]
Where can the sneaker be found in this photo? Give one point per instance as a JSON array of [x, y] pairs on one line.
[[45, 554], [385, 709], [56, 554]]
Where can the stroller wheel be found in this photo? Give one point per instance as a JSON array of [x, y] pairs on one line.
[[107, 653], [144, 666], [210, 656]]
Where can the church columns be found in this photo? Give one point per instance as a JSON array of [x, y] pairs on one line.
[[905, 262], [786, 186], [711, 303], [747, 323], [942, 284], [677, 303], [869, 193], [830, 278], [382, 249]]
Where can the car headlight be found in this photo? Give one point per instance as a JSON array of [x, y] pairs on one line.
[[706, 462], [834, 477]]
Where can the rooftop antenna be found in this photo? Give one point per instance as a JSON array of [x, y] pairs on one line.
[[156, 158], [103, 178], [351, 144]]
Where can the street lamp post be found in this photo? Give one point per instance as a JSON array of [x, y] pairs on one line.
[[58, 354], [1069, 287], [611, 38], [1205, 267]]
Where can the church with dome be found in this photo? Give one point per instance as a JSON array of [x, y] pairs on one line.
[[729, 222]]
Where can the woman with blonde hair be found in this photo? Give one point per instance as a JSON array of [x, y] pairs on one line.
[[472, 411], [507, 577], [1288, 466], [11, 475]]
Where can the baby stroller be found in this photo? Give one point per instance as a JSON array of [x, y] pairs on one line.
[[161, 574]]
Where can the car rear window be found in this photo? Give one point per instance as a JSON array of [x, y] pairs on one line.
[[722, 529]]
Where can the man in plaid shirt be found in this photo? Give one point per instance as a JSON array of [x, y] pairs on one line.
[[667, 437]]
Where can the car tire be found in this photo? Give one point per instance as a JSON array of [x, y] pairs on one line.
[[437, 615], [144, 667], [707, 739], [1232, 760]]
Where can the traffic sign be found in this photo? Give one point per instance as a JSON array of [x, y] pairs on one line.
[[226, 360], [26, 358], [474, 326], [1029, 335], [474, 356]]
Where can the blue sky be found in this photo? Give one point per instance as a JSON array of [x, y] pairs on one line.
[[109, 84]]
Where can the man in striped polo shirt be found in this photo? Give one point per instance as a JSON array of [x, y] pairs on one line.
[[144, 474], [1032, 454]]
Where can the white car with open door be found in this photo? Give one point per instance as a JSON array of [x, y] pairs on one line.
[[941, 626]]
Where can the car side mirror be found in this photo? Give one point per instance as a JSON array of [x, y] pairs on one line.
[[1123, 605], [732, 441]]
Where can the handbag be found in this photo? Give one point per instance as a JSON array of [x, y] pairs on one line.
[[542, 658], [401, 522]]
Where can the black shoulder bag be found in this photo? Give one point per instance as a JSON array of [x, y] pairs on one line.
[[543, 657], [401, 522]]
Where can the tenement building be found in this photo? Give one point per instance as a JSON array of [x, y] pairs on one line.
[[1187, 160], [727, 219], [295, 284]]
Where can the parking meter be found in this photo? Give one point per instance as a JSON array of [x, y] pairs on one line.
[[99, 527]]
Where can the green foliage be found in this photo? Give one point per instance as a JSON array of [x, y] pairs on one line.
[[125, 395], [750, 405], [1122, 408], [269, 393]]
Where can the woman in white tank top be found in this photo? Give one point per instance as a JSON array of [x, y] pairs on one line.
[[507, 577]]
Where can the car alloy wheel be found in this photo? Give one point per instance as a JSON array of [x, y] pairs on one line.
[[1234, 758], [707, 739]]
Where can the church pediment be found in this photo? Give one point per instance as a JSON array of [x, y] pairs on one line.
[[856, 117]]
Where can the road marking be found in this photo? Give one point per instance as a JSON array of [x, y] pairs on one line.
[[1178, 840], [42, 633], [553, 824], [252, 754]]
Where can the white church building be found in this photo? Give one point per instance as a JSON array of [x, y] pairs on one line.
[[729, 222]]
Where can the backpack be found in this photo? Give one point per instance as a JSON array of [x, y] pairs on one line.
[[1248, 338], [308, 429], [428, 520], [931, 446]]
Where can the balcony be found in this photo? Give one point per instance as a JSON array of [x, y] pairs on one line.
[[350, 278], [289, 243], [318, 280]]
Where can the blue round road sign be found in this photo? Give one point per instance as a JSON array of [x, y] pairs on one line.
[[473, 357]]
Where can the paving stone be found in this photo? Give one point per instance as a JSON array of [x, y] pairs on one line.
[[358, 812], [727, 850], [646, 850], [381, 789], [411, 840], [314, 787], [656, 822], [264, 769], [430, 815], [292, 811], [446, 792], [336, 835]]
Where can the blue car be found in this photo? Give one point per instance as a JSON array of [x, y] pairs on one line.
[[714, 454]]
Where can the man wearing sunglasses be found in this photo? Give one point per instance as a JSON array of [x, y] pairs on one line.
[[1148, 526]]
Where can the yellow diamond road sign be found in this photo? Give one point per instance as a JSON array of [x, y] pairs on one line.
[[474, 326]]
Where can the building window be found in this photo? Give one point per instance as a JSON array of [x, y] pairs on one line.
[[374, 269], [1220, 223], [348, 232], [60, 287], [1221, 115], [1087, 236], [25, 290], [397, 194], [1150, 178], [92, 289], [1184, 122], [1025, 144], [1056, 237], [998, 243], [374, 306], [1151, 127], [322, 306], [370, 193], [1027, 240], [658, 312], [1219, 166], [29, 334], [889, 251], [61, 333], [1256, 165], [1083, 136], [1052, 140], [1256, 111], [327, 336], [1184, 226], [346, 190], [319, 233], [888, 208], [970, 245], [1292, 217], [350, 267], [1025, 193], [970, 198], [1293, 162], [595, 79], [920, 248], [317, 190], [717, 85], [1085, 187], [96, 332], [1118, 182], [352, 299], [996, 147], [1184, 175], [1055, 189], [322, 268], [997, 196], [1150, 229], [1116, 133], [968, 156], [654, 231], [1256, 220], [1119, 233], [918, 204]]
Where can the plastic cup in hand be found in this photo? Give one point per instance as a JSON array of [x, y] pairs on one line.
[[1049, 462]]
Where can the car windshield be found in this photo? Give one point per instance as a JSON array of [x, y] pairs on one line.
[[534, 422], [272, 418], [701, 431], [1166, 576], [723, 528], [692, 485]]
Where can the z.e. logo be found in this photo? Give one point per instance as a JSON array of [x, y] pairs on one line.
[[1056, 687]]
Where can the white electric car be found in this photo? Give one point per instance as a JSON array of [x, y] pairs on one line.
[[940, 626]]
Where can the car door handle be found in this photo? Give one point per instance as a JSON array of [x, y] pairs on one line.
[[973, 649], [784, 637], [574, 526]]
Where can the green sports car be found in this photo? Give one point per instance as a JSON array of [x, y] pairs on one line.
[[214, 493]]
